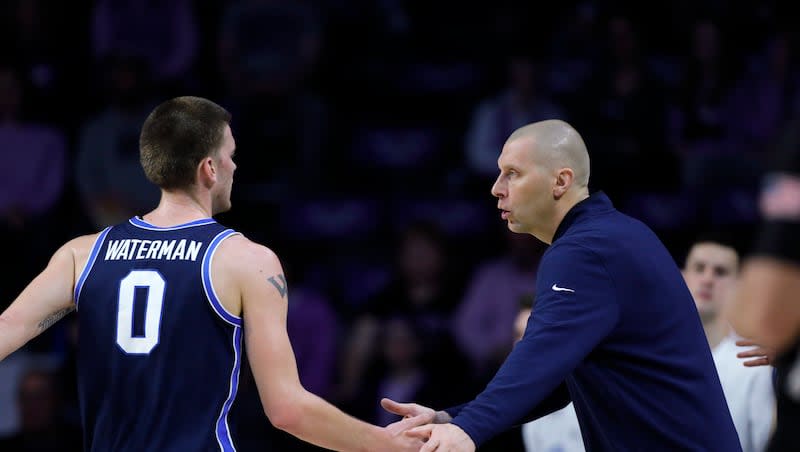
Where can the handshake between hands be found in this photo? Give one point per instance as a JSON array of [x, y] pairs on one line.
[[424, 429]]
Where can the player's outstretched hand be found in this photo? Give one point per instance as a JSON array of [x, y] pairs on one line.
[[401, 442], [442, 438], [761, 356], [409, 422]]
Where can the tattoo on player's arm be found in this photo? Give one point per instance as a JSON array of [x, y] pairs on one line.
[[280, 283], [48, 321]]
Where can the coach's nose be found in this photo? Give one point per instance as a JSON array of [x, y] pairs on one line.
[[499, 187]]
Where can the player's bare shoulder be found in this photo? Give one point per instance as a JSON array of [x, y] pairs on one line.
[[82, 244], [242, 267], [78, 251], [242, 255]]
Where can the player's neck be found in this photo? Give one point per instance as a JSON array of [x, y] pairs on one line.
[[178, 208], [716, 328]]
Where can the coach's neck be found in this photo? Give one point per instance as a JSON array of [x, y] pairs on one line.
[[561, 206]]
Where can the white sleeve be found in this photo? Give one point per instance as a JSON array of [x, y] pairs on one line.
[[530, 436], [761, 404]]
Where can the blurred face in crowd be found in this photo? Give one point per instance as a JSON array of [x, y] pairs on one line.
[[706, 41], [622, 37], [711, 272], [421, 258], [400, 347], [521, 76], [37, 402]]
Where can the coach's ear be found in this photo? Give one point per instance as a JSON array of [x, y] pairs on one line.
[[563, 181], [207, 172]]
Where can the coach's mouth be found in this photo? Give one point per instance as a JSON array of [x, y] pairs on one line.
[[504, 214]]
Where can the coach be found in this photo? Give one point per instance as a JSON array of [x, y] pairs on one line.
[[615, 329]]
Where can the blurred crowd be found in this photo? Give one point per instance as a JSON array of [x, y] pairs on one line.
[[367, 138]]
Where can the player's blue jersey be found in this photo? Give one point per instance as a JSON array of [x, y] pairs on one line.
[[158, 355]]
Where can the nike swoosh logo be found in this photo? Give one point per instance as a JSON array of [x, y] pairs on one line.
[[561, 289]]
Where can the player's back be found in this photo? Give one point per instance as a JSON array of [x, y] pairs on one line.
[[158, 355]]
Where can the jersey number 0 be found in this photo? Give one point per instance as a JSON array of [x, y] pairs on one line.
[[154, 285]]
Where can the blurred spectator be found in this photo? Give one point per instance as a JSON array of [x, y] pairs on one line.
[[404, 375], [522, 101], [109, 145], [697, 113], [483, 323], [267, 51], [45, 39], [711, 272], [766, 307], [267, 46], [42, 429], [762, 100], [765, 96], [313, 329], [625, 115], [11, 371], [573, 50], [425, 291], [35, 156], [164, 34]]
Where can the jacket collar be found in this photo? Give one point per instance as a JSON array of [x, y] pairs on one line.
[[596, 203]]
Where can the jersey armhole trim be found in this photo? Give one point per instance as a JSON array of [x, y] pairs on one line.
[[98, 243], [208, 286], [222, 429]]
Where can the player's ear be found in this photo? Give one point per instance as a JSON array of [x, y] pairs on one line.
[[564, 179], [207, 172]]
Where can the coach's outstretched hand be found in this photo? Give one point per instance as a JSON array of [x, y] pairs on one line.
[[414, 410], [408, 422]]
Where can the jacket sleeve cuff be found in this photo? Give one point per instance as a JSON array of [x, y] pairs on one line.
[[473, 433], [454, 410]]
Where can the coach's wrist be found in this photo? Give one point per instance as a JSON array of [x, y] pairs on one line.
[[442, 417]]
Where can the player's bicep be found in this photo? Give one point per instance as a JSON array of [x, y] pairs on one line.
[[264, 310]]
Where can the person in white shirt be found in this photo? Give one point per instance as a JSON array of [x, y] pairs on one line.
[[711, 271], [558, 431]]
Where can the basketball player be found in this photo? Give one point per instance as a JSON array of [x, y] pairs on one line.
[[165, 303]]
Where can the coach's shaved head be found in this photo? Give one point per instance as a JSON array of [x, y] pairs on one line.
[[558, 143], [544, 172]]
